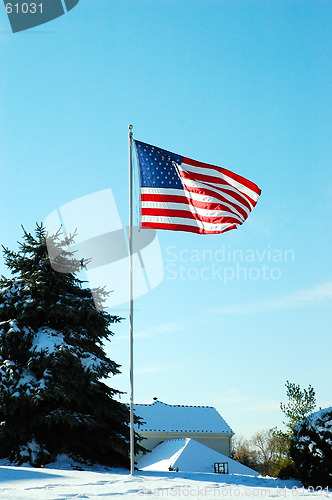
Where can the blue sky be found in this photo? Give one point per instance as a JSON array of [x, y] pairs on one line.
[[240, 83]]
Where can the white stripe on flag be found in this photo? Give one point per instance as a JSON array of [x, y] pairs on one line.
[[186, 222], [221, 191], [215, 173], [206, 212], [203, 198]]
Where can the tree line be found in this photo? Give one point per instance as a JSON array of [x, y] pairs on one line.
[[303, 451]]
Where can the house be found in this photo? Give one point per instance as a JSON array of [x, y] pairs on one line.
[[187, 455], [164, 422]]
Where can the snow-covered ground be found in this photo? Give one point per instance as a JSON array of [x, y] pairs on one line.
[[59, 481]]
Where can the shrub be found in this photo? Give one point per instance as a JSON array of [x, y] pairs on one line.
[[311, 449]]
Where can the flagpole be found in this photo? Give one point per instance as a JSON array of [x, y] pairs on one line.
[[131, 336]]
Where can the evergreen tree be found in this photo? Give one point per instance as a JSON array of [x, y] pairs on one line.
[[300, 404], [311, 449], [52, 361]]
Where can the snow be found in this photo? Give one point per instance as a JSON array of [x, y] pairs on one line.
[[47, 340], [60, 481], [8, 363], [13, 327], [31, 449], [315, 420], [188, 455], [90, 362], [51, 341], [27, 378], [159, 416], [319, 423], [163, 455]]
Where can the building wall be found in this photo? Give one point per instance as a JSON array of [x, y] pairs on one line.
[[218, 442], [221, 444]]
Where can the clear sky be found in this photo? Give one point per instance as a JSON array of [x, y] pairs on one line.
[[245, 84]]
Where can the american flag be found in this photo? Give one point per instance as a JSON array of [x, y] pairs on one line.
[[181, 194]]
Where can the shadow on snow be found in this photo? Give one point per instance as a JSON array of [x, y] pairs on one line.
[[228, 479], [9, 474]]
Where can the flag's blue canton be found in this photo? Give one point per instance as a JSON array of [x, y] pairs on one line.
[[157, 168]]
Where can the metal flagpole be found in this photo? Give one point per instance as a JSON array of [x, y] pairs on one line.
[[131, 337]]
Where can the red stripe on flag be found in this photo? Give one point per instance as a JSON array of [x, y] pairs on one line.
[[182, 227], [170, 198], [189, 215]]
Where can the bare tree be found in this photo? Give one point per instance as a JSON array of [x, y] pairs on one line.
[[268, 451], [244, 453]]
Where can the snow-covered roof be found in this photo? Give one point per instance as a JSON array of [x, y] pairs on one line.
[[188, 455], [162, 417]]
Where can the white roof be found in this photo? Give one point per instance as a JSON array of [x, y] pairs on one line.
[[188, 455], [161, 417]]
